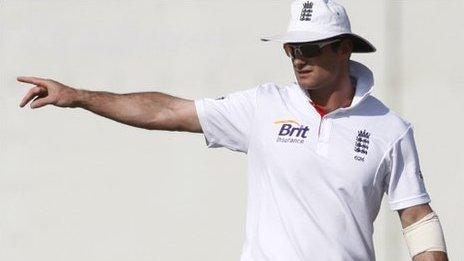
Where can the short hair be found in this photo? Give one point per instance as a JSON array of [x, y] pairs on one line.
[[335, 46]]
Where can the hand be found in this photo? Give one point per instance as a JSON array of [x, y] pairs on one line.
[[47, 92]]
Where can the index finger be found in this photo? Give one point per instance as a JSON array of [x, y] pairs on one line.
[[32, 80]]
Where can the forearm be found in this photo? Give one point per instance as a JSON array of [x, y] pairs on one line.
[[423, 233], [431, 256], [149, 110]]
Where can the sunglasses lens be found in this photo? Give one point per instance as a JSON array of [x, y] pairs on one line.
[[309, 51], [288, 50], [302, 51]]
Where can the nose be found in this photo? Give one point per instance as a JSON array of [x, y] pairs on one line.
[[299, 63]]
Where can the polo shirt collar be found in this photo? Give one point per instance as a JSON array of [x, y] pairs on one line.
[[364, 83]]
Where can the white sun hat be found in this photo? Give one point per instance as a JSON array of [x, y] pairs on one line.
[[317, 20]]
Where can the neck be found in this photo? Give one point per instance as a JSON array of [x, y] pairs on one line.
[[338, 95]]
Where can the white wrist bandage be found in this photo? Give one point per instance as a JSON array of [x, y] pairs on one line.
[[425, 235]]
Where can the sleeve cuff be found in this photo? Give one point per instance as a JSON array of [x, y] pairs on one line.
[[409, 202], [201, 113]]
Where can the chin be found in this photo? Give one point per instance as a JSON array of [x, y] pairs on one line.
[[307, 84], [311, 82]]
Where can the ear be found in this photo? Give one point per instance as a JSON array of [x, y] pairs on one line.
[[346, 48]]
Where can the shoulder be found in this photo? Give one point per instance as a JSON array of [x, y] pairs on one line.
[[272, 90], [269, 87], [264, 91], [389, 124], [260, 89]]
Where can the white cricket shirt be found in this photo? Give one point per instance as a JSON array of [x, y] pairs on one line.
[[315, 184]]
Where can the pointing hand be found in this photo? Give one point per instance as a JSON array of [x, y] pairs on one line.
[[48, 91]]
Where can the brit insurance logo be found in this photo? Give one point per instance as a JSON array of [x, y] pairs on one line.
[[291, 132]]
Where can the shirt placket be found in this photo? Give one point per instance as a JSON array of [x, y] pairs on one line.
[[323, 135]]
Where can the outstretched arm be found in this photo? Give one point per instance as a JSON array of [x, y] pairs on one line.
[[409, 216], [148, 110]]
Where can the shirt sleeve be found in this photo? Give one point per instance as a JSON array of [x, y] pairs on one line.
[[404, 183], [227, 121]]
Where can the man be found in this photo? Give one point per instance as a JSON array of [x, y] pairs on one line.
[[322, 151]]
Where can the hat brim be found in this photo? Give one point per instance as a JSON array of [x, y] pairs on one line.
[[360, 45]]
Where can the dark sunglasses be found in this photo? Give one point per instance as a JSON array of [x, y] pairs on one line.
[[306, 50]]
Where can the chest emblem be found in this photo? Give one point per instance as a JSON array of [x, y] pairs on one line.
[[361, 145]]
